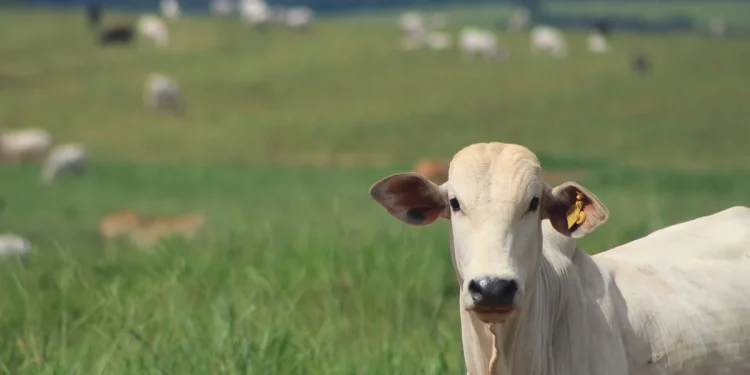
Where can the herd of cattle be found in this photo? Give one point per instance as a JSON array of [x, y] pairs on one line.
[[152, 28], [532, 302], [419, 32], [33, 146]]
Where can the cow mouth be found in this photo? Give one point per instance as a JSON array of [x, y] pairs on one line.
[[492, 315]]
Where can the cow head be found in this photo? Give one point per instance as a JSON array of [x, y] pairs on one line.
[[495, 200]]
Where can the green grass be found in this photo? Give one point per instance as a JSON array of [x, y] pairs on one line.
[[301, 272]]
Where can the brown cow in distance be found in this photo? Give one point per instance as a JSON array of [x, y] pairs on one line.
[[146, 230], [436, 170]]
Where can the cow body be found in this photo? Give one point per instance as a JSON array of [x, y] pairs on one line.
[[25, 145], [673, 302]]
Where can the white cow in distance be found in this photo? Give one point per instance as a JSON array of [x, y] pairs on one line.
[[153, 29], [597, 43], [23, 145], [549, 40], [255, 12], [417, 32], [65, 159], [412, 22], [13, 244], [170, 9], [299, 17], [533, 303], [473, 41], [162, 92]]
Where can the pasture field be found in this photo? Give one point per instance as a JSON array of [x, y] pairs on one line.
[[300, 271]]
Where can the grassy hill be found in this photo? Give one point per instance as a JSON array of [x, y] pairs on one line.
[[300, 272]]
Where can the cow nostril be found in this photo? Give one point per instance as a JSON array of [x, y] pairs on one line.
[[512, 287], [501, 292], [475, 290]]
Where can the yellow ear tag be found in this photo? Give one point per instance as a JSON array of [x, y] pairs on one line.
[[575, 213]]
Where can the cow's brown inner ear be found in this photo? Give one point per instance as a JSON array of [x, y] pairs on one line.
[[417, 215]]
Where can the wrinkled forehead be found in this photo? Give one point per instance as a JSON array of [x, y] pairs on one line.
[[497, 171]]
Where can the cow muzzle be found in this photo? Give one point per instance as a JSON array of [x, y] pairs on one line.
[[492, 298]]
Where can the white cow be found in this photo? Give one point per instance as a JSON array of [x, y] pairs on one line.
[[533, 303], [300, 17], [550, 40], [65, 159], [24, 145], [255, 12], [13, 244], [153, 29], [170, 9], [162, 92], [473, 40], [597, 43], [417, 33], [412, 23]]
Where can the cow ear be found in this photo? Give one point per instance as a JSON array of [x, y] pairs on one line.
[[411, 198], [573, 210]]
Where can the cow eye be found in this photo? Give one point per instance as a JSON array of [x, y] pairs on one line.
[[534, 204], [454, 205]]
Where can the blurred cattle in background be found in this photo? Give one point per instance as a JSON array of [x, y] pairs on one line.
[[473, 41], [63, 160], [298, 18], [26, 145], [116, 34], [417, 32], [146, 230], [414, 30], [14, 245], [549, 40], [603, 27], [153, 29], [118, 224], [436, 170], [170, 9], [256, 13], [162, 92], [597, 43], [641, 63]]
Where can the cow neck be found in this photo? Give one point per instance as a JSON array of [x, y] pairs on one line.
[[525, 340]]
